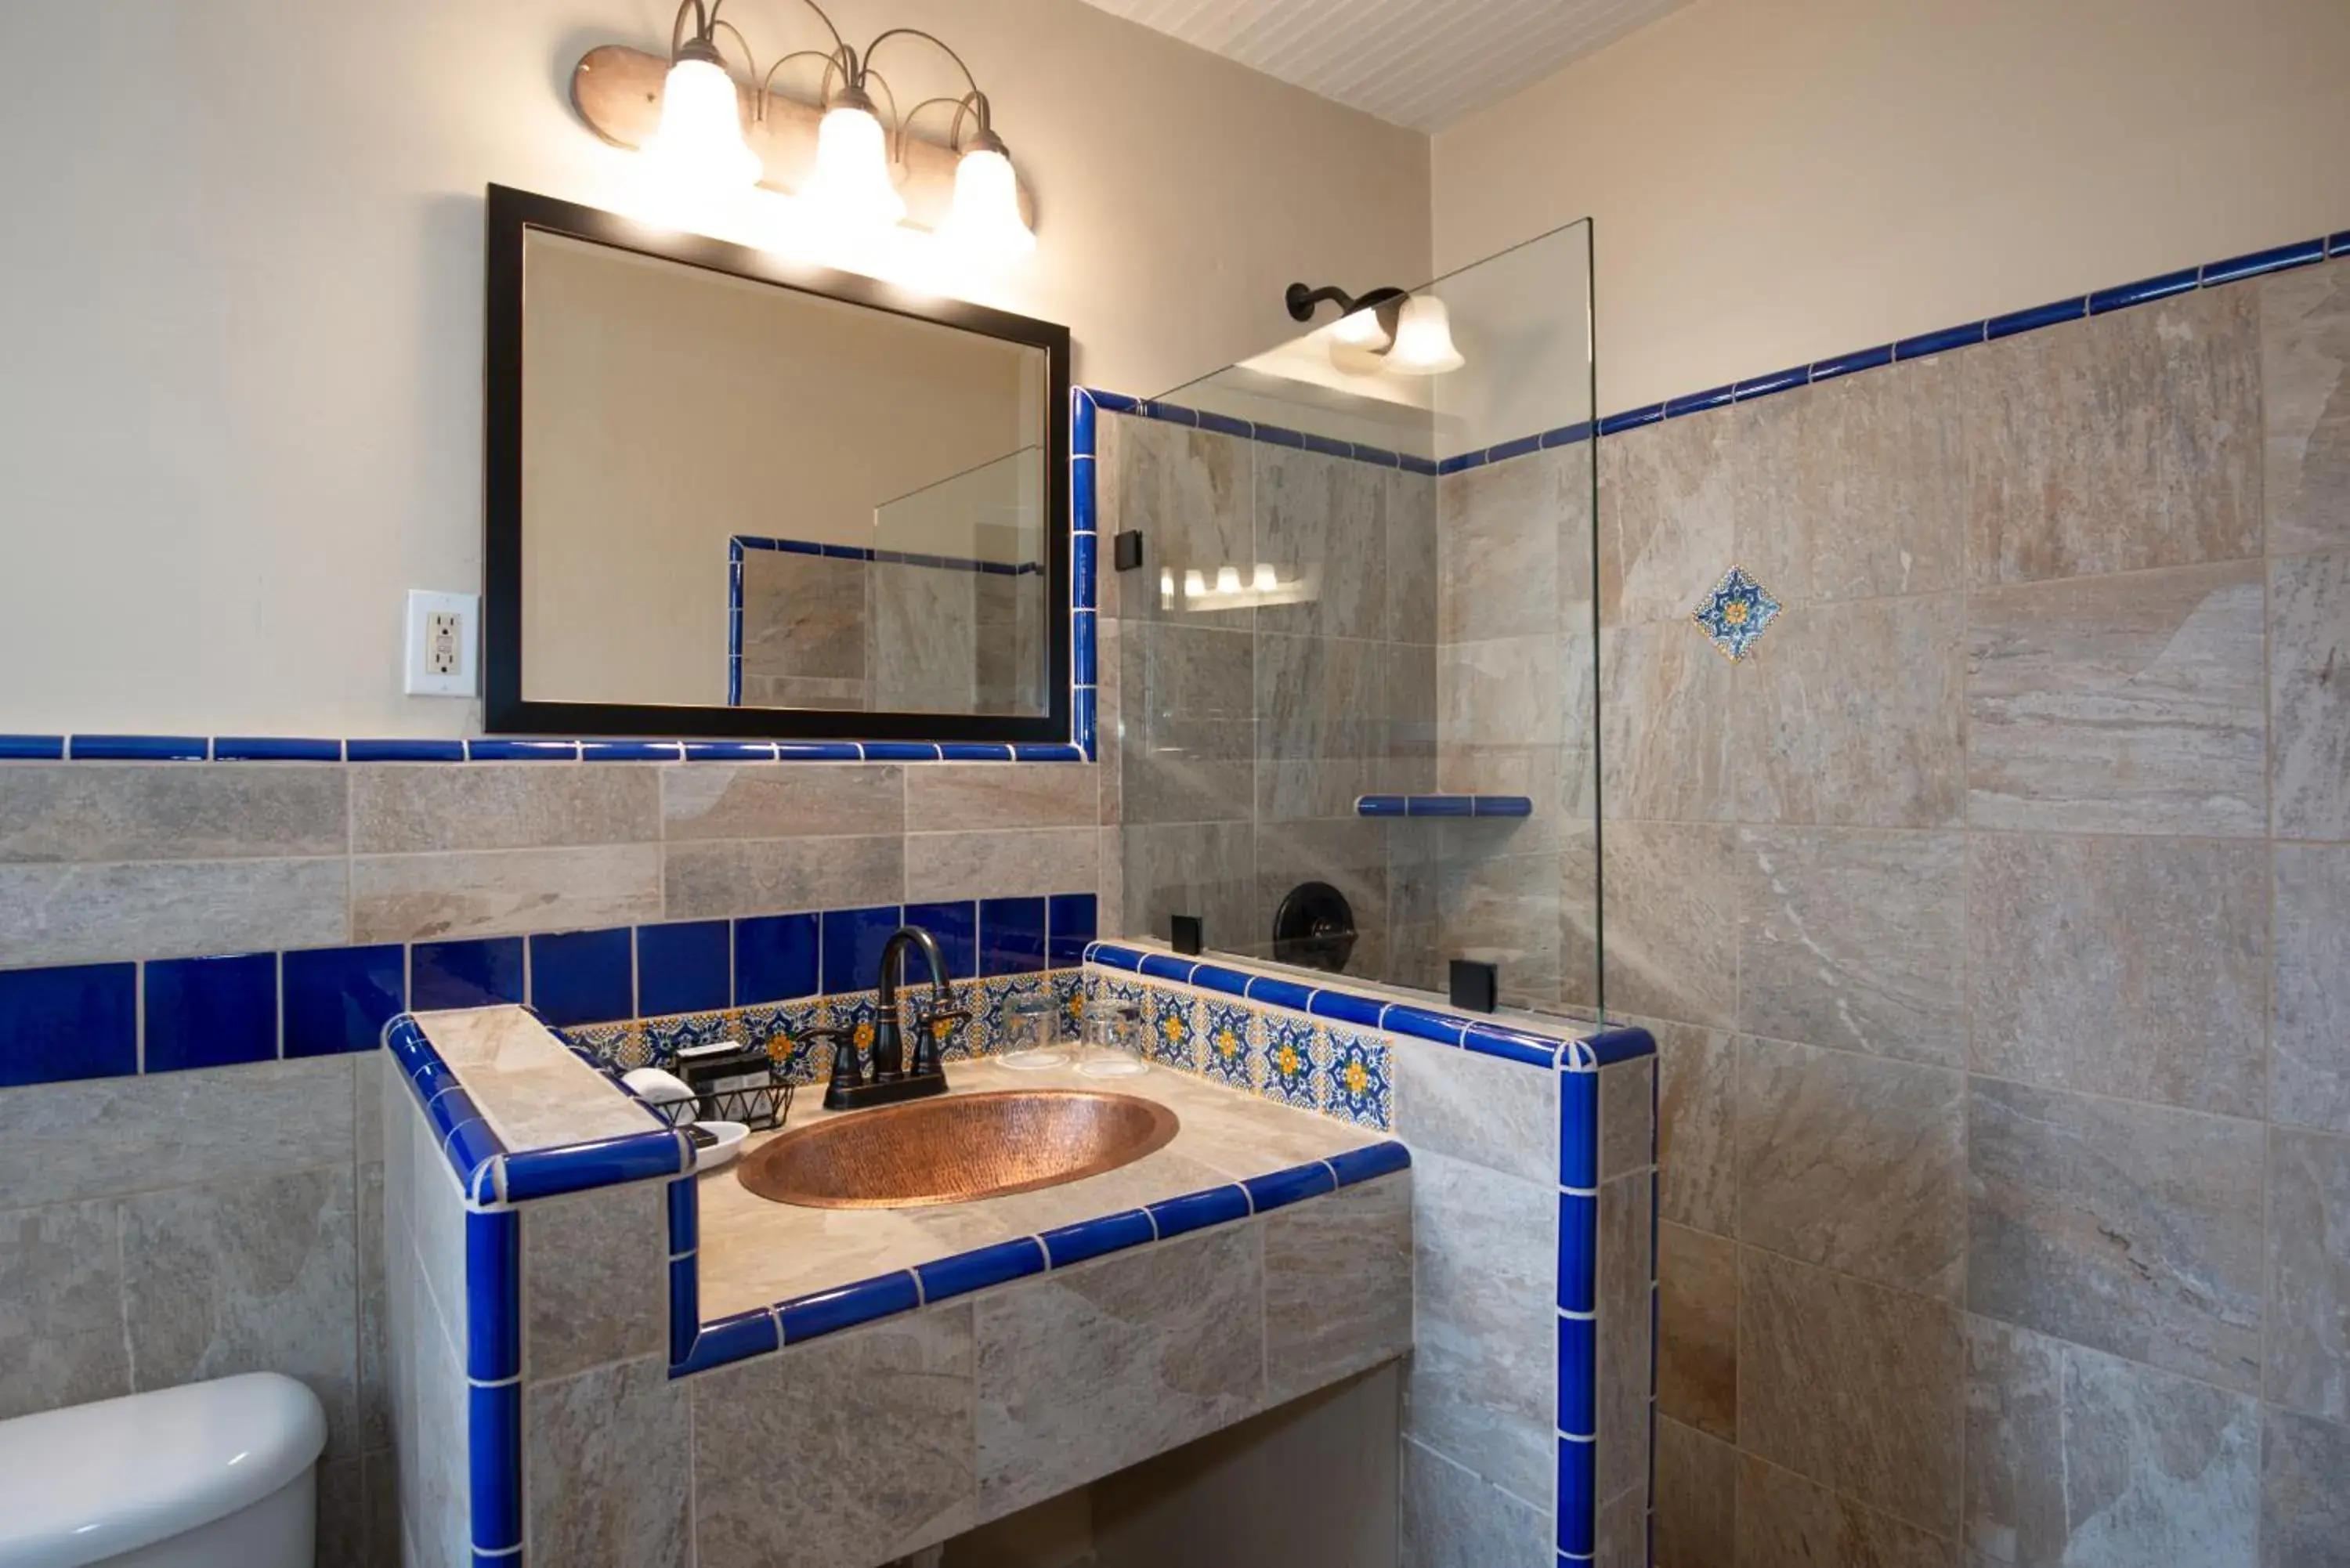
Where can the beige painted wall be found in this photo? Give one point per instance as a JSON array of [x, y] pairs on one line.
[[240, 391], [1778, 181]]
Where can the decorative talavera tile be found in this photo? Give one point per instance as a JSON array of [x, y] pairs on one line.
[[1736, 614], [665, 1037], [620, 1046], [1226, 1033], [1292, 1061], [1356, 1068], [1173, 1032]]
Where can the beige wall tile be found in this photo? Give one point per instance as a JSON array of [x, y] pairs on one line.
[[89, 914], [1453, 1518], [1666, 533], [1190, 492], [1671, 933], [1627, 1118], [702, 881], [1785, 1521], [1697, 1083], [1413, 570], [1665, 747], [1495, 1113], [61, 1340], [2309, 1001], [1337, 1286], [1514, 546], [962, 797], [2305, 401], [595, 1269], [951, 865], [2308, 1362], [429, 898], [2305, 1491], [798, 800], [85, 811], [2309, 701], [1321, 520], [400, 810], [606, 1462], [1697, 1330], [1697, 1498], [1627, 1265]]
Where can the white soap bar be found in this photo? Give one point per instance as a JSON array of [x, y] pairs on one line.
[[663, 1091]]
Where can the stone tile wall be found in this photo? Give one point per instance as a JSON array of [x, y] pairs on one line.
[[1991, 919]]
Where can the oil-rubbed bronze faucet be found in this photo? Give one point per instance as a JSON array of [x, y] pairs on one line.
[[893, 1077]]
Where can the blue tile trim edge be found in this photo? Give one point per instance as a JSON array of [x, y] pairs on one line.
[[1443, 806], [722, 1341], [495, 749], [979, 1268], [821, 1312], [602, 1162], [1097, 1238], [1295, 1185]]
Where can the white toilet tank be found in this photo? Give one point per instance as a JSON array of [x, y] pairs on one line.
[[211, 1475]]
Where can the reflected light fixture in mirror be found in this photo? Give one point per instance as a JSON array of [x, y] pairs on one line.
[[1423, 339], [1387, 329]]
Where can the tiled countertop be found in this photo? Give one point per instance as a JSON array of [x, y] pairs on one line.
[[755, 1253]]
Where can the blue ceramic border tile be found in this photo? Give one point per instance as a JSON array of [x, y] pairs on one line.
[[1081, 627], [1197, 1210], [1279, 435], [1081, 423], [1578, 1255], [1578, 1524], [1116, 402], [1579, 1131], [475, 972], [1858, 359], [493, 1281], [1503, 806], [404, 751], [211, 1011], [471, 1145], [2282, 258], [1412, 463], [1578, 1356], [1111, 956], [1423, 1023], [494, 1445], [685, 1216], [606, 1162], [1097, 1238], [956, 927], [1524, 446], [1621, 1044], [1047, 752], [452, 1108], [1217, 978], [845, 1306], [138, 748], [853, 940], [2144, 291], [1283, 1188], [736, 1337], [581, 977], [69, 1023], [1221, 424], [1631, 419], [32, 748], [974, 751], [1941, 342], [1325, 447], [1081, 571], [1698, 402], [264, 749], [2339, 245], [900, 751], [731, 751], [817, 751], [1460, 463], [2035, 318], [776, 959], [1777, 381], [1071, 922], [631, 751], [498, 751], [684, 1303], [1574, 434], [1011, 936], [1380, 806], [1280, 993], [1173, 968], [1369, 1163], [683, 967], [1439, 806], [338, 1000], [1347, 1007], [977, 1270], [1509, 1044]]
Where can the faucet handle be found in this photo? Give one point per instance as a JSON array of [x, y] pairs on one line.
[[933, 1030], [846, 1072]]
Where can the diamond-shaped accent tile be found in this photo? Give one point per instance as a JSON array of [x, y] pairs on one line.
[[1736, 614]]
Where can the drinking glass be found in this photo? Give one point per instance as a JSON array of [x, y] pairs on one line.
[[1031, 1026], [1113, 1042]]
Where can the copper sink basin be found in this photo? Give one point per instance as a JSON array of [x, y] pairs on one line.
[[957, 1149]]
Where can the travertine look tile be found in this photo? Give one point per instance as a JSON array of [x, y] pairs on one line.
[[407, 810], [1887, 1362], [1623, 1538], [2304, 1493], [1854, 938], [2128, 440], [1627, 1116], [1347, 853], [1407, 698], [429, 898], [1188, 708], [374, 1325], [87, 914], [1854, 488], [1453, 1518], [1785, 1521], [946, 867], [1488, 1112], [61, 1340], [856, 1447], [595, 1279], [1483, 1381], [86, 811], [1090, 1369], [1697, 1093], [964, 797], [2131, 1229], [2305, 401], [607, 1465], [1319, 733], [1852, 715], [1513, 546], [2119, 704], [2309, 700], [2075, 1456], [1697, 1330], [1337, 1286], [2309, 1272], [1665, 743], [1207, 869], [2309, 1018], [2128, 966], [1697, 1498], [1322, 521], [1189, 493], [1503, 909], [1412, 552], [806, 800], [1665, 520], [257, 1276], [702, 881], [1816, 1127], [1672, 921], [1627, 1265]]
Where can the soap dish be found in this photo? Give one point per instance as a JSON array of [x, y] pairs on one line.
[[716, 1144]]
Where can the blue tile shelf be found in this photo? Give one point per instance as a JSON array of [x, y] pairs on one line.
[[1443, 806]]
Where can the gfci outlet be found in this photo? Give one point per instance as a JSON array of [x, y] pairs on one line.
[[443, 630]]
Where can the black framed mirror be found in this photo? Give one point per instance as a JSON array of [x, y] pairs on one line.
[[732, 495]]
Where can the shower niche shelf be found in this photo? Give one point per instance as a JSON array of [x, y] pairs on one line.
[[1443, 806]]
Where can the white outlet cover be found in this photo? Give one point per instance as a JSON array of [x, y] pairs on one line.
[[429, 643]]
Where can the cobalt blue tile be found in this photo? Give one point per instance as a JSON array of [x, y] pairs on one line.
[[1504, 805], [1283, 1188], [32, 748], [475, 973], [900, 751], [956, 927], [1421, 1024], [140, 748], [1216, 978], [1858, 359], [272, 749], [1439, 806], [1697, 402], [340, 998], [685, 1216], [1412, 463], [1574, 434], [1081, 423], [1281, 435], [1116, 402], [1631, 418], [1198, 1211], [1578, 1365], [1524, 446], [975, 1270], [730, 1339], [2040, 316], [404, 751], [2280, 259], [1326, 446], [730, 751], [77, 1021], [1383, 457], [472, 1144], [1083, 717], [1011, 936], [1380, 806], [1081, 625], [493, 1294], [1940, 342], [1578, 1130], [1162, 966], [682, 968], [1081, 569], [1509, 1044], [450, 1109], [1369, 1163], [1280, 993], [494, 1446], [605, 1162], [211, 1011], [846, 1306], [1460, 463], [2340, 244], [581, 977], [844, 552], [1578, 1519], [1071, 921], [853, 940], [1109, 955], [498, 751], [975, 751], [684, 1302], [1578, 1253], [1346, 1008], [1168, 413], [1777, 381], [817, 751], [1097, 1238], [2144, 290], [776, 958], [631, 752], [1223, 424], [1622, 1044]]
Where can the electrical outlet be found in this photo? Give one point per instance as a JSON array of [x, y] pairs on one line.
[[441, 639]]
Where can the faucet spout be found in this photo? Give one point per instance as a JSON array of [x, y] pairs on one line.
[[888, 1051]]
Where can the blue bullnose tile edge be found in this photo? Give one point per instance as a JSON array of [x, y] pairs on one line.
[[1509, 1044], [1295, 1185], [492, 1281], [1858, 359], [1382, 806], [2340, 244], [1223, 980], [1439, 806], [1621, 1044], [2302, 253], [32, 748], [267, 749], [2144, 291], [140, 748], [1578, 1525], [979, 1268], [1941, 342], [1111, 956], [1280, 993], [1778, 381], [1347, 1007], [494, 1433], [1198, 1211], [1578, 1260], [685, 1309], [1578, 1347], [1423, 1023], [1159, 966], [1698, 402], [402, 751], [845, 1306], [1631, 418], [474, 1153], [603, 1162], [685, 1216], [1369, 1163], [2035, 318], [1097, 1238], [631, 751], [498, 751], [736, 1337], [1579, 1131]]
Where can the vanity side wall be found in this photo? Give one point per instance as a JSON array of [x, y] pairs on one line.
[[425, 1294]]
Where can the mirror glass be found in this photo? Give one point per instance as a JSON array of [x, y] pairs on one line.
[[738, 493]]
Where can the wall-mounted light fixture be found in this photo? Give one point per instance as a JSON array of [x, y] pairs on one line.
[[1410, 334], [687, 113]]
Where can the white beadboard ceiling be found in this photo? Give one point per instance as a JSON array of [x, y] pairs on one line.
[[1423, 64]]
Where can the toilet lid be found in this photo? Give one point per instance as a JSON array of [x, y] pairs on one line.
[[92, 1481]]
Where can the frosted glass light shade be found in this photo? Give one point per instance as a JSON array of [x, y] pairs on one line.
[[700, 140], [984, 224], [1361, 329], [852, 185], [1423, 339]]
